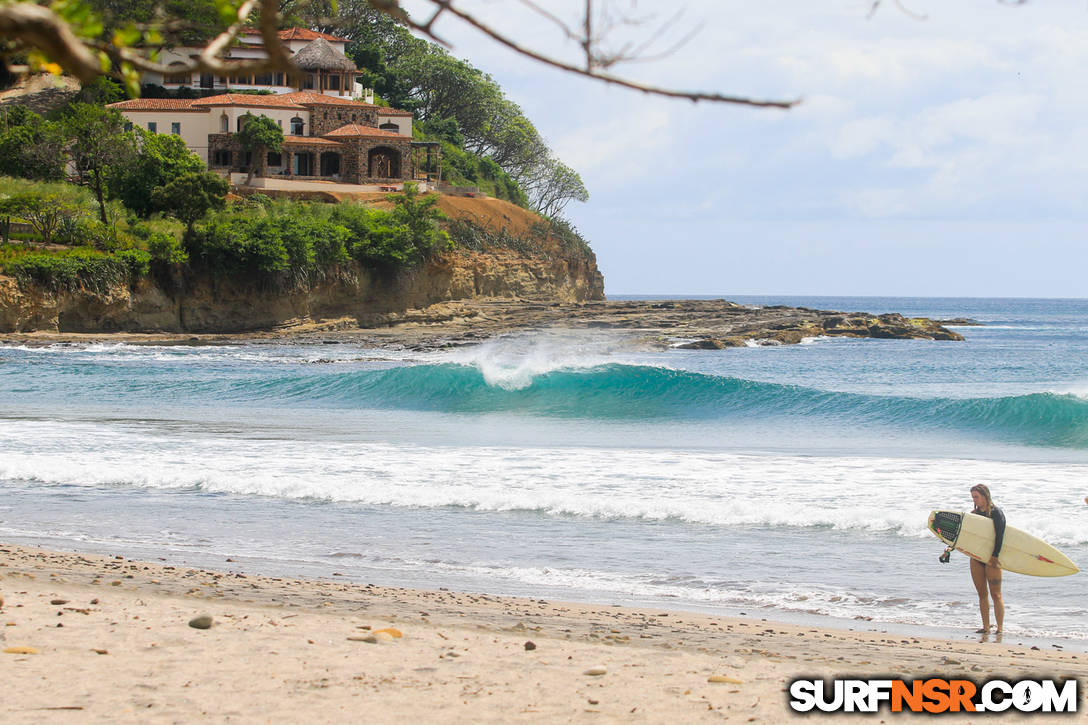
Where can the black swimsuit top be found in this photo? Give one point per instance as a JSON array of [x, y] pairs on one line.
[[999, 526]]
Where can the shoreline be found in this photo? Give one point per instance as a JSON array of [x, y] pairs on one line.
[[289, 649]]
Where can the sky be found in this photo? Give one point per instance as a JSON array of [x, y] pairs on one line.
[[944, 156]]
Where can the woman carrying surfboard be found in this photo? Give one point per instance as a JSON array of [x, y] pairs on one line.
[[987, 575]]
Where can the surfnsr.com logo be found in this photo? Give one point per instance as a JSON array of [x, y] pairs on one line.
[[933, 695]]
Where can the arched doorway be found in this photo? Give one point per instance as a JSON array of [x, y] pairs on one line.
[[330, 163], [383, 163]]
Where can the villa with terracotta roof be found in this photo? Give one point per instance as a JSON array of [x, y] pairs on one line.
[[329, 136], [319, 56]]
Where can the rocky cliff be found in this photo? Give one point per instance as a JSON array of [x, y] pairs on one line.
[[362, 297]]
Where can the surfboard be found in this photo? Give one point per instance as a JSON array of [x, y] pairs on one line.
[[1021, 552]]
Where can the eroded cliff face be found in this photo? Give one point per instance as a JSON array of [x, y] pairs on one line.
[[363, 297]]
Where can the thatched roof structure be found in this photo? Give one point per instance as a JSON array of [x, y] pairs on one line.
[[320, 55]]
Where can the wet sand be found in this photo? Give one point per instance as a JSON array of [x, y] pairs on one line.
[[113, 643]]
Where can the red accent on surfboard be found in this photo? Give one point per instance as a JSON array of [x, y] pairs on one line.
[[1040, 557]]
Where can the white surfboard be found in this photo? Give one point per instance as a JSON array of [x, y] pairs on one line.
[[1021, 552]]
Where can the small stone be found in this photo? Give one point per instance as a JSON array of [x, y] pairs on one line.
[[20, 651], [596, 671], [115, 584], [593, 702], [94, 601], [726, 679], [530, 646], [100, 651], [950, 661], [204, 621], [58, 602]]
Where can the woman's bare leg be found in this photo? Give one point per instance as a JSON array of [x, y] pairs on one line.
[[978, 578], [993, 579]]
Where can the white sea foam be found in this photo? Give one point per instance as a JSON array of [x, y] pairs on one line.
[[200, 354], [860, 494], [512, 362]]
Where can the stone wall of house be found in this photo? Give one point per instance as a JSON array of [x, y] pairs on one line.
[[329, 118], [357, 159]]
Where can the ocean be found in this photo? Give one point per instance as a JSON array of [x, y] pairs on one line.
[[786, 482]]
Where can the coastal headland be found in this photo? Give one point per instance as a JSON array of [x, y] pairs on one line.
[[93, 638], [686, 324]]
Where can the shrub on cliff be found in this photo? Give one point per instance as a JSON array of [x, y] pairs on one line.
[[77, 269]]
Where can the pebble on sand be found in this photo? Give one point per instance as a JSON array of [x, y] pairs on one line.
[[726, 679], [530, 645], [375, 638], [596, 671], [204, 621], [20, 651], [58, 602]]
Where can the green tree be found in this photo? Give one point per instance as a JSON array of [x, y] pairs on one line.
[[445, 87], [30, 146], [259, 135], [419, 214], [158, 159], [45, 208], [99, 144], [190, 196], [552, 185]]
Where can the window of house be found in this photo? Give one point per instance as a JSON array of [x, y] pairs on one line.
[[221, 157], [334, 83], [275, 158], [152, 127], [263, 79], [297, 126], [279, 79], [247, 159], [180, 78], [308, 81], [175, 128], [389, 126], [224, 124]]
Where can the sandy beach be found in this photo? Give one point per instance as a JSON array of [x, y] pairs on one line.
[[110, 641]]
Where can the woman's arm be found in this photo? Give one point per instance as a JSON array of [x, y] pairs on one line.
[[999, 529]]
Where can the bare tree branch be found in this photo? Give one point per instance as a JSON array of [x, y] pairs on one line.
[[590, 71], [39, 27]]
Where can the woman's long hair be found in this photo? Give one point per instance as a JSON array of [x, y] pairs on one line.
[[985, 491]]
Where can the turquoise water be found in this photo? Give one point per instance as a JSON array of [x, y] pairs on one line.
[[789, 481]]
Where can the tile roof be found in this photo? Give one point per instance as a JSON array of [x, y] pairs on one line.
[[248, 100], [157, 104], [293, 100], [354, 130], [310, 140], [313, 98], [298, 34]]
